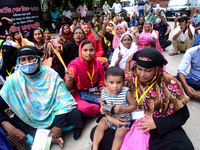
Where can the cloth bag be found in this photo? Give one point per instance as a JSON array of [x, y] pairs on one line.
[[136, 139], [90, 97]]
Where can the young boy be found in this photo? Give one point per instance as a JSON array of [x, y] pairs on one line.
[[120, 96]]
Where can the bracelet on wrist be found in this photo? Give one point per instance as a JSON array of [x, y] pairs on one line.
[[3, 123]]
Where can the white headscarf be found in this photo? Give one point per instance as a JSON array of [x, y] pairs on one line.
[[124, 51]]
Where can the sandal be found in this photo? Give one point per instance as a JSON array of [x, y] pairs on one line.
[[172, 54]]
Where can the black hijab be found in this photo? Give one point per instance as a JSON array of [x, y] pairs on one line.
[[149, 57], [9, 58]]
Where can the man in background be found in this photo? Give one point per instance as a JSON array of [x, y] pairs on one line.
[[106, 8], [82, 10]]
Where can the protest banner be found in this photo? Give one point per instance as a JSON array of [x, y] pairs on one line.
[[25, 14]]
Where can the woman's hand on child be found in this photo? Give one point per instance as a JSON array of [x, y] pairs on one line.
[[148, 124], [120, 122], [118, 109]]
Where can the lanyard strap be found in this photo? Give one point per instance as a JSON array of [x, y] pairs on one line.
[[9, 73], [138, 100], [91, 77]]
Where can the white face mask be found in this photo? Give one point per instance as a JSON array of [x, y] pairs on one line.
[[29, 68]]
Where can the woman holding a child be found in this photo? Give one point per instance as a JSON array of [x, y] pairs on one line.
[[162, 99]]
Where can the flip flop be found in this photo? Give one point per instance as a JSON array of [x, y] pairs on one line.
[[172, 54]]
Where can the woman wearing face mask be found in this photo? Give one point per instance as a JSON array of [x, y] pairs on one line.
[[7, 61], [148, 28], [123, 51], [144, 40], [162, 104], [84, 73], [31, 88]]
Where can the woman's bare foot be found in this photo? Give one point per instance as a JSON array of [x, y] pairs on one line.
[[58, 141]]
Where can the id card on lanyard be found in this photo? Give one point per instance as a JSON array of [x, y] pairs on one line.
[[93, 89], [139, 113]]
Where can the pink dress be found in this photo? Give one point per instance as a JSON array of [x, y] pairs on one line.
[[135, 139]]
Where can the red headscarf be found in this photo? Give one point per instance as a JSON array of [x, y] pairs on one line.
[[80, 69], [70, 33], [97, 44], [64, 38]]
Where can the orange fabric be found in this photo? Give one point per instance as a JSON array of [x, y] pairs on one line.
[[23, 42]]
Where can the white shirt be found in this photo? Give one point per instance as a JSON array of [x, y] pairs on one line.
[[183, 36], [125, 52], [106, 8], [117, 7], [157, 6], [67, 13], [82, 10]]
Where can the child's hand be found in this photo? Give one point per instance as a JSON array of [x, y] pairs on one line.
[[103, 112], [118, 109]]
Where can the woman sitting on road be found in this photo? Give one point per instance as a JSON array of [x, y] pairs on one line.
[[52, 40], [85, 72], [49, 58], [162, 103], [148, 28], [70, 50], [28, 91], [66, 34], [144, 40], [91, 35], [123, 51]]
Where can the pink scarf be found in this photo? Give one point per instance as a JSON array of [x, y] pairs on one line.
[[116, 38], [79, 68]]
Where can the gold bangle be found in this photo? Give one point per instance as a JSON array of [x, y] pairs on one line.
[[3, 123]]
